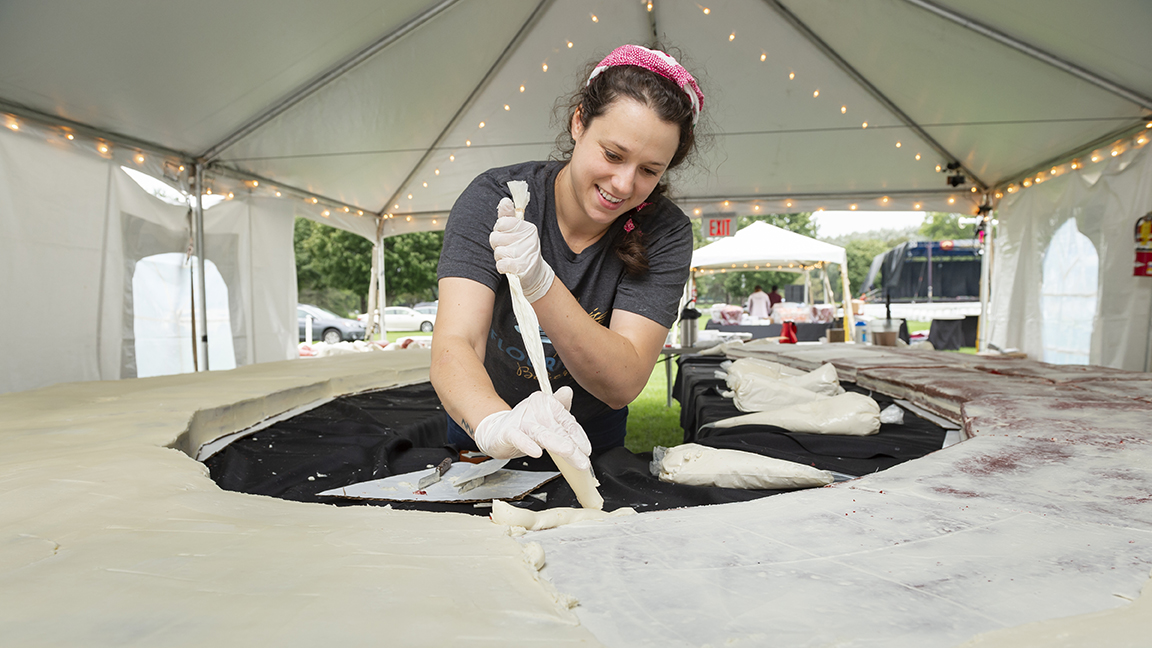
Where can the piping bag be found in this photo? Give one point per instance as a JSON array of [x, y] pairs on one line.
[[583, 482]]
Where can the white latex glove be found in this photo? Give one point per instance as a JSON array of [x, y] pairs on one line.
[[516, 246], [539, 422]]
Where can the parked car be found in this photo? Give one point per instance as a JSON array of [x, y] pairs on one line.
[[428, 308], [402, 318], [328, 326]]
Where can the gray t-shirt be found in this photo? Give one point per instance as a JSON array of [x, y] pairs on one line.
[[595, 277]]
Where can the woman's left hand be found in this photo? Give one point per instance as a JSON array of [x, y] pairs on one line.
[[516, 247]]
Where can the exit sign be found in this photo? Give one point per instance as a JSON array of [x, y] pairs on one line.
[[718, 226]]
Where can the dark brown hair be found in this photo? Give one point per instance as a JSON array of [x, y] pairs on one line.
[[670, 104]]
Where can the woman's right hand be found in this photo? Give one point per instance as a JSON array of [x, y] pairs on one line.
[[539, 422]]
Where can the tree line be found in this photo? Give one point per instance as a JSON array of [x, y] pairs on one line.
[[333, 266]]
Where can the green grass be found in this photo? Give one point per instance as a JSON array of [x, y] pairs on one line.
[[650, 422]]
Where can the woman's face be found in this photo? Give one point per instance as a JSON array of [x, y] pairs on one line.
[[618, 159]]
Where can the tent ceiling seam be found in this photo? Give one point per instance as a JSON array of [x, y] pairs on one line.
[[517, 38], [239, 174], [1071, 154], [860, 79], [326, 77], [127, 141], [1037, 53]]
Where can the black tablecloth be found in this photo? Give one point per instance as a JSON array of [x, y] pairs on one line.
[[701, 403], [950, 335]]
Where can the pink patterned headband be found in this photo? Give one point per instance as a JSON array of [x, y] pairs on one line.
[[658, 62]]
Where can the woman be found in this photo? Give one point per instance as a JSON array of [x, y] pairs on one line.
[[602, 256]]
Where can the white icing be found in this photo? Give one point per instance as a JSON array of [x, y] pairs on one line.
[[513, 516], [696, 465], [849, 413], [583, 482]]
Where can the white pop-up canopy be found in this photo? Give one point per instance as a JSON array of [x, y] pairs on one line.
[[761, 246]]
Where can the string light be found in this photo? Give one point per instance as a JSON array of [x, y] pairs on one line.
[[951, 200], [70, 136], [938, 167], [756, 208], [864, 125], [1141, 141], [1053, 171], [731, 37], [898, 144], [325, 213], [102, 147], [788, 203], [725, 203], [544, 67], [481, 124], [231, 195], [815, 93], [409, 196], [14, 125], [359, 212], [791, 75], [409, 219], [763, 57], [346, 210], [1011, 188], [467, 142], [706, 10], [395, 206], [1115, 152], [507, 107], [917, 157], [139, 158], [916, 206], [521, 88], [1095, 158], [649, 6], [843, 109], [884, 200], [277, 194], [569, 44], [852, 207], [314, 200], [999, 195], [594, 18], [425, 184], [696, 211], [451, 158], [437, 172], [181, 169], [1027, 183], [433, 221]]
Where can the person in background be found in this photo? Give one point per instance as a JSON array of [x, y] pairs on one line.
[[774, 297], [759, 304]]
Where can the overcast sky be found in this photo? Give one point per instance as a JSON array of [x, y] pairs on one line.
[[839, 223]]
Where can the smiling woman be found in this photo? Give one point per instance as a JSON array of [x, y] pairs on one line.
[[602, 256]]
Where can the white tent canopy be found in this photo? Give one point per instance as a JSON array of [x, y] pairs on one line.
[[762, 244], [374, 116]]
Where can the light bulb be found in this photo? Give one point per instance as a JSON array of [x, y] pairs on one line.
[[346, 210], [815, 93], [408, 218], [938, 167], [951, 201], [696, 211], [139, 159], [852, 207], [507, 107], [544, 67], [451, 158], [973, 189], [594, 18], [481, 124], [1027, 183], [725, 203], [325, 213], [763, 57], [14, 125], [359, 212], [425, 184], [230, 195], [916, 206], [917, 156], [521, 88], [1095, 158], [788, 203], [999, 195], [898, 144], [433, 221], [314, 201], [181, 166], [791, 75], [467, 142], [756, 208], [437, 172], [395, 206], [103, 148], [1115, 152], [277, 194], [569, 44], [884, 200], [731, 37], [409, 196], [864, 125], [843, 109], [1053, 171], [70, 136], [706, 10]]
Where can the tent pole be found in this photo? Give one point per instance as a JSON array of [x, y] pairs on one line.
[[982, 327], [382, 302], [848, 318], [808, 286], [200, 325]]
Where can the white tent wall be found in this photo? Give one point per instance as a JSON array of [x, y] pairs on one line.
[[72, 227], [1105, 199]]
